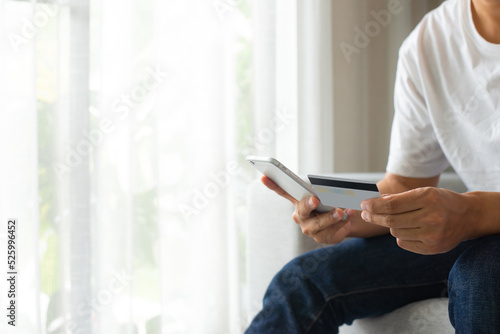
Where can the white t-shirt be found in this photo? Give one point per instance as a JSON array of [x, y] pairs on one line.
[[447, 101]]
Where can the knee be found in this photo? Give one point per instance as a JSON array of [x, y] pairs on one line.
[[289, 278], [474, 284], [300, 271], [294, 291], [478, 267], [303, 277]]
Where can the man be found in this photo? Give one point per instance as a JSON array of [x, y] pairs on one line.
[[418, 241]]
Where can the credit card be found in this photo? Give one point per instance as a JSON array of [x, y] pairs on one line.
[[343, 193]]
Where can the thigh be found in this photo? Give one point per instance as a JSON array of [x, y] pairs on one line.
[[325, 288], [474, 288], [365, 277]]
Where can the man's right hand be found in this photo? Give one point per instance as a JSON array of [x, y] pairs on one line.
[[326, 228]]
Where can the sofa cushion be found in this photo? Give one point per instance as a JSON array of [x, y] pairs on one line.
[[427, 316]]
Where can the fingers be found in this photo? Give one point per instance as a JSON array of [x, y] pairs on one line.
[[273, 186], [424, 220], [331, 227], [315, 224], [395, 203], [305, 207], [404, 210], [403, 220], [406, 234], [333, 234], [414, 246]]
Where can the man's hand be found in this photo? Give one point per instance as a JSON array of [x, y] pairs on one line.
[[424, 220], [326, 228]]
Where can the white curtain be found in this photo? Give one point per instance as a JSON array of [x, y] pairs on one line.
[[19, 175], [123, 124], [123, 131], [293, 78]]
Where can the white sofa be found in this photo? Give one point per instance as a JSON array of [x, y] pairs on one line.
[[274, 239]]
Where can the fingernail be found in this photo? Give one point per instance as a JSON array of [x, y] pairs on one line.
[[345, 216], [335, 215], [363, 206], [364, 215], [310, 202], [350, 212]]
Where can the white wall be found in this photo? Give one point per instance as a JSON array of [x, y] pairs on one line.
[[363, 87]]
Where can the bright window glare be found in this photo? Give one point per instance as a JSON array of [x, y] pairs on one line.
[[169, 118]]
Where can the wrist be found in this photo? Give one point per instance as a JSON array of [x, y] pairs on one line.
[[483, 214]]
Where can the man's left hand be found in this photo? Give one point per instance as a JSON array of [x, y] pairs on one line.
[[424, 220]]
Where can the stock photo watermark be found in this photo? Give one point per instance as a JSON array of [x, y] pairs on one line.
[[31, 26], [104, 296], [291, 280], [223, 7], [362, 37], [466, 107], [12, 274], [267, 135], [118, 282], [201, 197], [122, 107]]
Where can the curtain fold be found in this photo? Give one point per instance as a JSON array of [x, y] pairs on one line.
[[293, 83], [315, 86], [75, 187], [124, 127], [125, 124], [18, 172]]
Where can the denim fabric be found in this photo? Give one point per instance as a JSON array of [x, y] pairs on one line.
[[474, 288], [328, 287]]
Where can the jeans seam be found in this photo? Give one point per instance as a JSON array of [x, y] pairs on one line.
[[327, 300]]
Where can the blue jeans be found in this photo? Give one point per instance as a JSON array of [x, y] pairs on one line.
[[328, 287]]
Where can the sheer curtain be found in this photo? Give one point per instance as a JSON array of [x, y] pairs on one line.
[[19, 172], [123, 124], [294, 77], [124, 127]]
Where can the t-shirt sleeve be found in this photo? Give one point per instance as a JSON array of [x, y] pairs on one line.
[[414, 149]]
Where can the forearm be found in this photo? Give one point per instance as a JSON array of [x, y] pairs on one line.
[[484, 213]]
